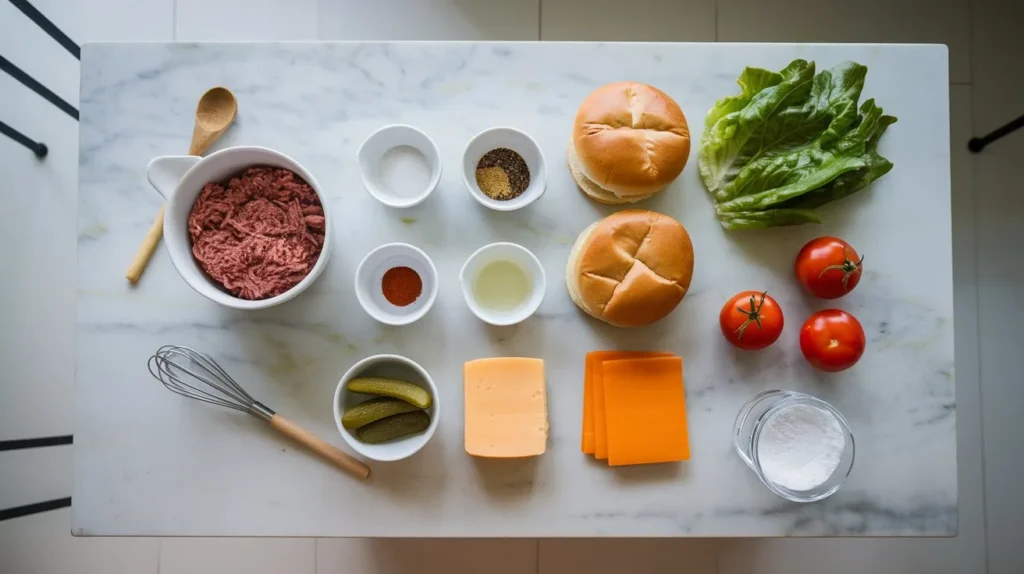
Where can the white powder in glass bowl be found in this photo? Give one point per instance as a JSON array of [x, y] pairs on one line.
[[800, 446]]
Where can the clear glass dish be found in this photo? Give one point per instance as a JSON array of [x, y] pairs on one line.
[[747, 433]]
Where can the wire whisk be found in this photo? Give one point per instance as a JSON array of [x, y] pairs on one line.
[[176, 366], [196, 375]]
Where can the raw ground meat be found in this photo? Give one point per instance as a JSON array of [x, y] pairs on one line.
[[259, 235]]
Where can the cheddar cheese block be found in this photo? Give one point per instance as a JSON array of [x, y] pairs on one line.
[[596, 358], [506, 413], [645, 411]]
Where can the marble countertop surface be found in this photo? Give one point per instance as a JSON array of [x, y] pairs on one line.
[[148, 462]]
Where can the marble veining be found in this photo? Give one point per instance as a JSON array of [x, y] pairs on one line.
[[148, 462]]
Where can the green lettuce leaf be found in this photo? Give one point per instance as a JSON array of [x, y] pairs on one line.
[[791, 141]]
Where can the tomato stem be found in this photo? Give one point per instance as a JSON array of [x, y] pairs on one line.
[[848, 267], [753, 316]]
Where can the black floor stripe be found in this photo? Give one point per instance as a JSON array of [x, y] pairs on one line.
[[24, 443], [19, 511], [38, 148], [34, 85]]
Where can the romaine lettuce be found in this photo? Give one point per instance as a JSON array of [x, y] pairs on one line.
[[791, 141]]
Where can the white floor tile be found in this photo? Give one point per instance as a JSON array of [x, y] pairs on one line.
[[37, 301], [428, 20], [34, 475], [245, 20], [916, 21], [32, 50], [230, 555], [38, 309], [964, 554], [634, 21], [425, 556], [970, 545], [998, 173], [111, 20], [42, 544], [613, 556]]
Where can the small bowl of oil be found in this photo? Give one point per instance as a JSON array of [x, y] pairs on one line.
[[503, 283]]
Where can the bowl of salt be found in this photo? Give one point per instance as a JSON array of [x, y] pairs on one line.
[[799, 446], [399, 165]]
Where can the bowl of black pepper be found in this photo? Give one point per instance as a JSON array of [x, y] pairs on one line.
[[504, 169]]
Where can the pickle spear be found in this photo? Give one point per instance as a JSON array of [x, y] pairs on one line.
[[393, 427], [373, 410], [408, 392]]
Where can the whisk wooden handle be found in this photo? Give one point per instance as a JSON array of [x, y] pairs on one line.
[[325, 450]]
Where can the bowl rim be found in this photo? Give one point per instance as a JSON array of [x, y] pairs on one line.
[[436, 167], [364, 449], [541, 179], [528, 311], [368, 305], [214, 292]]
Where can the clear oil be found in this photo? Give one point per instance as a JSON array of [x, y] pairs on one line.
[[501, 286]]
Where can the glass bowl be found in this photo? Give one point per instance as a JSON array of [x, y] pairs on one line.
[[747, 434]]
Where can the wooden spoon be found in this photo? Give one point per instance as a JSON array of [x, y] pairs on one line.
[[215, 112]]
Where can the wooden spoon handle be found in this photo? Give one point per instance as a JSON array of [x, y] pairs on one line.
[[147, 248], [325, 450]]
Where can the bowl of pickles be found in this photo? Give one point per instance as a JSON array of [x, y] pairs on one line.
[[386, 407]]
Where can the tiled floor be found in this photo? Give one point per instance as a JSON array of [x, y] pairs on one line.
[[37, 306]]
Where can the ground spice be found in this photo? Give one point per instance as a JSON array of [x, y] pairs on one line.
[[493, 181], [401, 286], [516, 174]]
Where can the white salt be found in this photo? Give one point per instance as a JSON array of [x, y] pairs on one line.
[[404, 172], [800, 447]]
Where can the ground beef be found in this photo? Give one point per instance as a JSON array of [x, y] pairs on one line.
[[259, 235]]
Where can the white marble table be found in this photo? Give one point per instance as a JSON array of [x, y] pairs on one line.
[[148, 462]]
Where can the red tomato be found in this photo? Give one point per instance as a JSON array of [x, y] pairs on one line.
[[828, 267], [751, 320], [832, 340]]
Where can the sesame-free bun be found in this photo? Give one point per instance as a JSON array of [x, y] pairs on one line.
[[629, 141], [631, 268]]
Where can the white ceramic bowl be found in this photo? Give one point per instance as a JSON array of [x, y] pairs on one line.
[[371, 271], [380, 143], [391, 367], [180, 179], [518, 255], [518, 142]]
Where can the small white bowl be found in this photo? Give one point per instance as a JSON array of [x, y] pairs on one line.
[[371, 271], [380, 142], [180, 179], [518, 255], [391, 367], [518, 142]]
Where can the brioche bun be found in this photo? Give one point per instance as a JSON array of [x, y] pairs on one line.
[[629, 141], [631, 268]]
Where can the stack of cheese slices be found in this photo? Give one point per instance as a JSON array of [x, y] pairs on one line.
[[634, 408]]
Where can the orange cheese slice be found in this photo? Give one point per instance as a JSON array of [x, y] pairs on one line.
[[645, 411], [587, 445], [594, 361]]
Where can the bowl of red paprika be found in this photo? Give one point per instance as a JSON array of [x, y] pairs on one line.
[[396, 283]]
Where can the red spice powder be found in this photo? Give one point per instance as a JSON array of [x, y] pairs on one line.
[[401, 286], [259, 235]]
